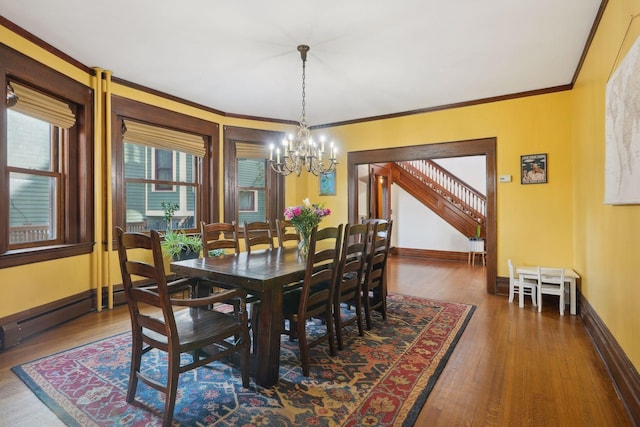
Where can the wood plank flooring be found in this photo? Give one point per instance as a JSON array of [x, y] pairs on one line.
[[512, 366]]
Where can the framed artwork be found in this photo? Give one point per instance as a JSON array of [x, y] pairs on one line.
[[533, 169], [327, 183]]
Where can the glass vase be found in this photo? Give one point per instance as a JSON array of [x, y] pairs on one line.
[[303, 246]]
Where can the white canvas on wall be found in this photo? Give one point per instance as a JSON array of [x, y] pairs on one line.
[[622, 132]]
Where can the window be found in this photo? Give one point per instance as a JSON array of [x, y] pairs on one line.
[[162, 157], [253, 192], [47, 172], [34, 179]]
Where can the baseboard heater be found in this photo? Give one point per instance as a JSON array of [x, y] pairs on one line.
[[16, 328]]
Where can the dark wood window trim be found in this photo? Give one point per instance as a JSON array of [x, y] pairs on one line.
[[124, 108], [78, 227], [275, 182], [473, 147]]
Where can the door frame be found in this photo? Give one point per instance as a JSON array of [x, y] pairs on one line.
[[471, 147]]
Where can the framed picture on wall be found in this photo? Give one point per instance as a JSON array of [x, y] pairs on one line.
[[327, 183], [533, 169]]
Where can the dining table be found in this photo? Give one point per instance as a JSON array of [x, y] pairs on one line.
[[570, 277], [263, 273]]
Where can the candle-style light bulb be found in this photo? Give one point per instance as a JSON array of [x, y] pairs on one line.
[[271, 152]]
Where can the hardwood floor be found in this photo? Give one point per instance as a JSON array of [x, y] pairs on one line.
[[512, 366]]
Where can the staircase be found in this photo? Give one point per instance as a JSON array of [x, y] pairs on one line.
[[448, 196]]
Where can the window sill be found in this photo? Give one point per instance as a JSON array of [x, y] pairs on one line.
[[18, 257]]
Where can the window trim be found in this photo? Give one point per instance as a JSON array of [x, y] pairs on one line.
[[125, 108], [274, 181], [77, 230]]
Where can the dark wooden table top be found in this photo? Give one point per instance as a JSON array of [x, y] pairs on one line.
[[256, 272]]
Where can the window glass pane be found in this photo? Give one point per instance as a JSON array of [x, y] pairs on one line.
[[29, 142], [251, 173], [144, 209], [260, 214], [32, 213], [164, 169], [247, 201]]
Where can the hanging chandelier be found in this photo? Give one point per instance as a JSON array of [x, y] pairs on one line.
[[302, 151]]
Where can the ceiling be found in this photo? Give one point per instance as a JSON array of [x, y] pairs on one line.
[[368, 57]]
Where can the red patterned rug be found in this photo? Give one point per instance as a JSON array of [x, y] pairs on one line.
[[381, 379]]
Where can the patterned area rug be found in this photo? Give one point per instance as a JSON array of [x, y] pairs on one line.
[[381, 379]]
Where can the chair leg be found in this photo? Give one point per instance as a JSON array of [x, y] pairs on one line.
[[511, 292], [338, 324], [136, 357], [330, 331], [172, 389], [304, 350]]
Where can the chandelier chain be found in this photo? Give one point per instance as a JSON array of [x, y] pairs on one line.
[[302, 151]]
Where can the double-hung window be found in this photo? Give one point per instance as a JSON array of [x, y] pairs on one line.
[[162, 159], [161, 168], [46, 157], [253, 192]]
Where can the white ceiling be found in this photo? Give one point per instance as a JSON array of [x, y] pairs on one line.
[[368, 57]]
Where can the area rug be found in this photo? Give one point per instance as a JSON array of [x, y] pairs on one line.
[[381, 379]]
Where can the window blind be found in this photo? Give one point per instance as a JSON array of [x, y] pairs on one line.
[[166, 139], [246, 150], [43, 107]]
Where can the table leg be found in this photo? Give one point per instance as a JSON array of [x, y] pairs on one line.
[[268, 348], [572, 307]]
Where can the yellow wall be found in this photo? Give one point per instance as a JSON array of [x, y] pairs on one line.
[[605, 244], [534, 221]]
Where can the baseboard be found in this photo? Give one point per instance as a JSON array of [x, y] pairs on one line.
[[623, 374], [18, 327], [430, 254]]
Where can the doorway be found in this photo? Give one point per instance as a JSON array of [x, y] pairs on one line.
[[474, 147]]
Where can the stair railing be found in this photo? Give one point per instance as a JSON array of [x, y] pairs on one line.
[[458, 192]]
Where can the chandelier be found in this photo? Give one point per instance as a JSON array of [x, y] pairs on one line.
[[302, 151]]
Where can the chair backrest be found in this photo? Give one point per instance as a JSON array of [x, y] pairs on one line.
[[352, 259], [552, 275], [373, 221], [286, 232], [512, 275], [257, 233], [219, 235], [322, 268], [141, 255], [379, 245]]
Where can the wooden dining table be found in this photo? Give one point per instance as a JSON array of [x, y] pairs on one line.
[[263, 273]]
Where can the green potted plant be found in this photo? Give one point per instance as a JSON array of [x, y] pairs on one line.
[[175, 244], [476, 243]]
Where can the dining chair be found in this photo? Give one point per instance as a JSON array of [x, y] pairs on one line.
[[374, 283], [522, 285], [314, 299], [219, 236], [551, 283], [258, 233], [286, 232], [177, 325], [348, 288]]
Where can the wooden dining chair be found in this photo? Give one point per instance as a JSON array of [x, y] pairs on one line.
[[258, 233], [348, 288], [219, 236], [178, 325], [315, 298], [374, 283], [286, 232]]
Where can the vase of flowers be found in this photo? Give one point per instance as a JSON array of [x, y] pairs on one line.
[[304, 218]]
